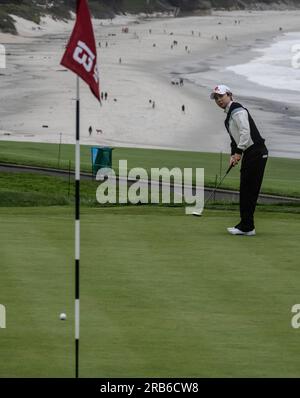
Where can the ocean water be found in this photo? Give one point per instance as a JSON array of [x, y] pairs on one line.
[[268, 83], [277, 67]]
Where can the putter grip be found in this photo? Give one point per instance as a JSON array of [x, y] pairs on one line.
[[229, 168]]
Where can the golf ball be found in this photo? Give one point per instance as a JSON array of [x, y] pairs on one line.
[[63, 316]]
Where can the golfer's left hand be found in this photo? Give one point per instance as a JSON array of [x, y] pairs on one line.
[[236, 158]]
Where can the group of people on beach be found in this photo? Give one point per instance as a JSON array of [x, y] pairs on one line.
[[104, 96], [175, 42], [153, 105], [177, 82], [106, 44]]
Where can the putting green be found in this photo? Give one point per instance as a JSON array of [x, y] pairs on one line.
[[162, 294]]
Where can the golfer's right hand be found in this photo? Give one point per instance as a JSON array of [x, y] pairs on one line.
[[232, 161], [235, 159]]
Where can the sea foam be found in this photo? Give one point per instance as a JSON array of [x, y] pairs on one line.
[[278, 67]]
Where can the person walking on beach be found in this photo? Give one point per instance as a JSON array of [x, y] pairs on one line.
[[183, 108], [248, 146], [90, 130]]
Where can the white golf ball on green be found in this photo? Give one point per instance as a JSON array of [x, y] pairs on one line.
[[63, 316]]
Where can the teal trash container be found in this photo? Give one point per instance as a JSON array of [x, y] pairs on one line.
[[101, 158]]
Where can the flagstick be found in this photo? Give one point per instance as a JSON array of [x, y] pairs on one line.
[[77, 230]]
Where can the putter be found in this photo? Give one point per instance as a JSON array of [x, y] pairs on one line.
[[199, 213]]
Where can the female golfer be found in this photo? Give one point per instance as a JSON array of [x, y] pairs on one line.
[[247, 145]]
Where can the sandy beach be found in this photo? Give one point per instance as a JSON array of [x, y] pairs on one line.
[[37, 94]]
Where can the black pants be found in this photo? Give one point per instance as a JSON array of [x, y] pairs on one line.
[[252, 173]]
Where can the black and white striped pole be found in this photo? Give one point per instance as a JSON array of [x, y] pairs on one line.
[[77, 231], [81, 58]]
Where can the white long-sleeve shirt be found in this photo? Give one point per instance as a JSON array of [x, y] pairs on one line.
[[239, 127]]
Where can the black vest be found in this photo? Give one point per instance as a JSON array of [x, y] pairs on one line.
[[254, 132]]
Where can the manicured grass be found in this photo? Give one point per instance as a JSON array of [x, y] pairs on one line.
[[162, 294], [281, 177]]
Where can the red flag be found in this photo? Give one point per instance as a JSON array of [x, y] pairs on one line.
[[81, 55]]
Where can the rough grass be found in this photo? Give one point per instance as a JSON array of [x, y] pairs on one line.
[[27, 189], [281, 176]]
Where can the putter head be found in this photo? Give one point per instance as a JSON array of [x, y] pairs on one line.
[[197, 213]]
